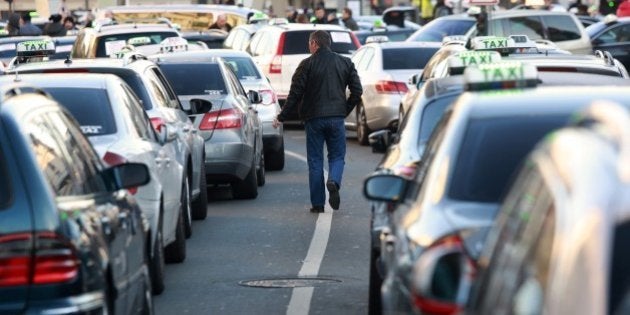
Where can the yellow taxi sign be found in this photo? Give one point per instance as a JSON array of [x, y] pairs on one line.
[[174, 44], [492, 43], [461, 60], [500, 75], [35, 48], [137, 41]]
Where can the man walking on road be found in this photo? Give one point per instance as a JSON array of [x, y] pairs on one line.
[[319, 84]]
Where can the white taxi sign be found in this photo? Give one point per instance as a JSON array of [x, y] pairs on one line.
[[137, 41], [35, 48], [500, 75], [464, 59], [492, 43], [173, 44]]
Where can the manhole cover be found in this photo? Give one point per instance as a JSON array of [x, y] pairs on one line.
[[288, 282]]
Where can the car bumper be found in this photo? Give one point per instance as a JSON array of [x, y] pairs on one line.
[[87, 302], [226, 162]]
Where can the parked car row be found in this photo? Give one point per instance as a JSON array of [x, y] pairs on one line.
[[441, 202]]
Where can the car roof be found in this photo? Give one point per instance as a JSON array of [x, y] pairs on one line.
[[391, 45], [304, 27], [85, 63], [201, 54], [182, 8], [132, 28], [66, 80], [545, 100], [518, 13]]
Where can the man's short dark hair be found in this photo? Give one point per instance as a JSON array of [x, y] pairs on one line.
[[321, 38], [26, 17], [348, 11]]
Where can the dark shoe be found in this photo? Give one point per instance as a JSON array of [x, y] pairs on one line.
[[333, 191], [317, 209]]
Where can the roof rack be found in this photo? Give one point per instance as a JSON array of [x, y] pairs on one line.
[[611, 120], [606, 56]]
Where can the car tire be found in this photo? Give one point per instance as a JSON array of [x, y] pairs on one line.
[[374, 298], [156, 262], [260, 173], [363, 131], [200, 206], [186, 208], [248, 187], [176, 251], [274, 160]]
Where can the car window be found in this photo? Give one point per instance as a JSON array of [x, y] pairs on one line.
[[90, 107], [137, 85], [527, 25], [166, 87], [79, 155], [139, 117], [238, 87], [490, 151], [431, 115], [356, 59], [195, 78], [50, 156], [253, 45], [296, 42], [111, 44], [406, 58], [243, 67], [157, 89], [616, 34], [5, 183], [437, 29], [561, 28]]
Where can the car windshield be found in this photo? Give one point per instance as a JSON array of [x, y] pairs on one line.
[[195, 78], [593, 29], [90, 107], [435, 30], [243, 67], [111, 44], [5, 188], [296, 42], [407, 58], [491, 150]]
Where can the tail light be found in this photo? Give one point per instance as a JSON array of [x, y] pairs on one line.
[[268, 97], [55, 260], [157, 124], [276, 62], [221, 119], [391, 87], [427, 305], [113, 159], [355, 40]]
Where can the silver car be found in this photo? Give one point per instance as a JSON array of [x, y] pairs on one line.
[[252, 79], [226, 119]]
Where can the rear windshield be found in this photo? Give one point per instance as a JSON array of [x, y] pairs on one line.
[[407, 58], [561, 28], [195, 78], [243, 67], [111, 44], [431, 114], [437, 29], [5, 188], [296, 42], [491, 151], [90, 107]]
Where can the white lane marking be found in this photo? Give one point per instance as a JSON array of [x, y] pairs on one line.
[[300, 302]]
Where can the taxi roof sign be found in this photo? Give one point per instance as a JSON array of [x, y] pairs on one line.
[[458, 62], [137, 41], [454, 39], [174, 44], [500, 75], [377, 39], [35, 48], [500, 44]]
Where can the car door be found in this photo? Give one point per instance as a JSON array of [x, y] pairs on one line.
[[164, 159], [120, 224]]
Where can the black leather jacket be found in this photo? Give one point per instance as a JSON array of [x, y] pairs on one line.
[[319, 84]]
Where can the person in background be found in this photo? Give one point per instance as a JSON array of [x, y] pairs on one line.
[[69, 24], [27, 28], [13, 25], [332, 19], [54, 27], [348, 21], [221, 24], [319, 84], [441, 9], [320, 16], [426, 12], [623, 9], [302, 18], [291, 15]]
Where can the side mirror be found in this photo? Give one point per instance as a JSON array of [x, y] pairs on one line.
[[380, 140], [166, 134], [443, 275], [384, 187], [414, 79], [199, 106], [126, 176], [254, 97]]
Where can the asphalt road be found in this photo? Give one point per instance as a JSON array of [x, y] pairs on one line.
[[269, 238]]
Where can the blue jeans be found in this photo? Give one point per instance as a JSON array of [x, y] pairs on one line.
[[329, 130]]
